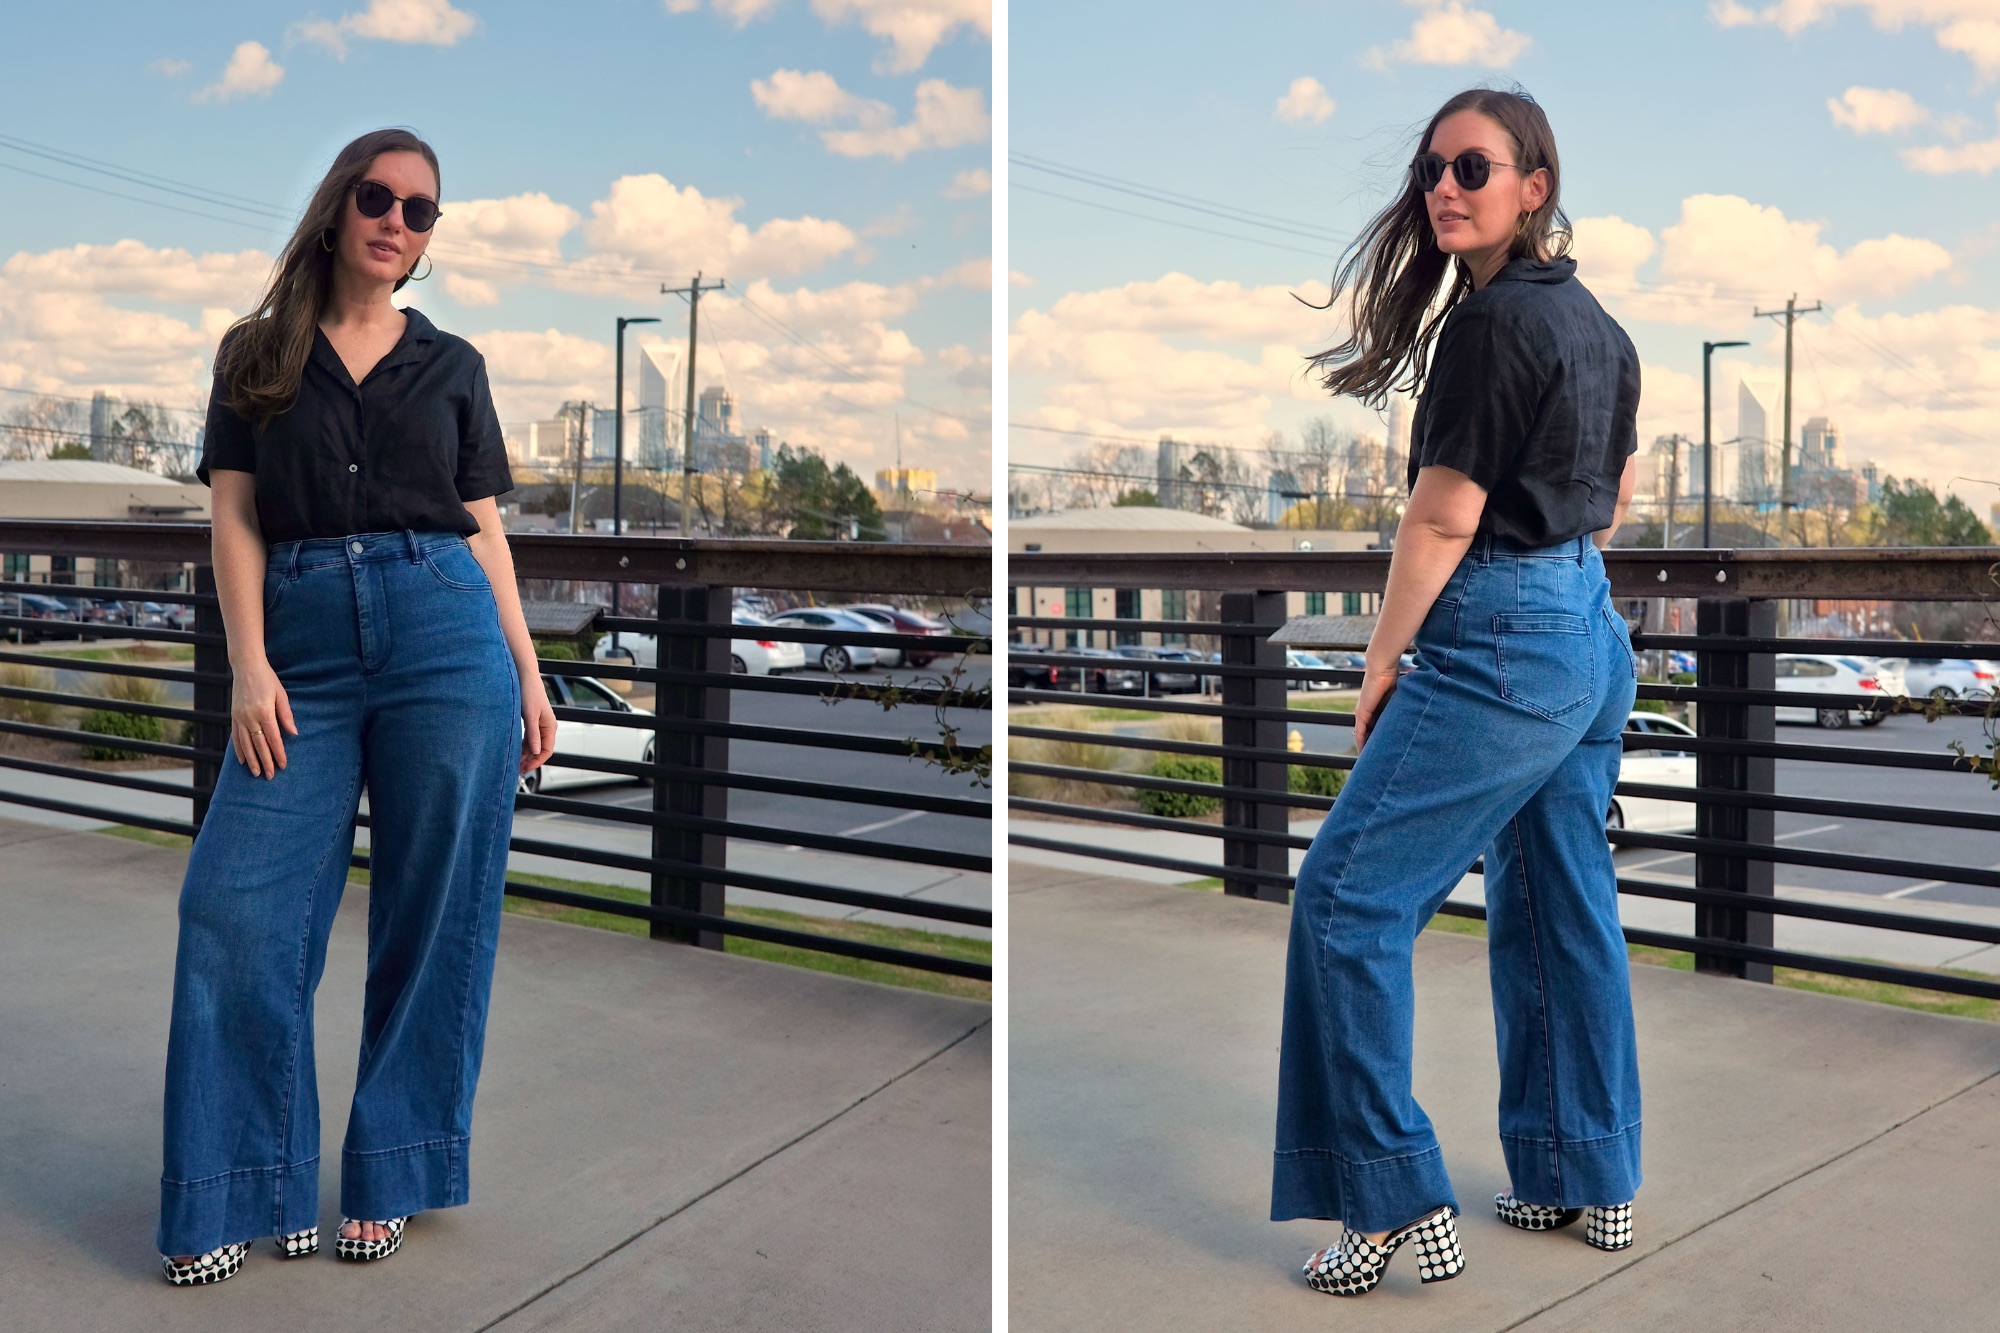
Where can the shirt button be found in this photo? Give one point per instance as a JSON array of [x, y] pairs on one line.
[[353, 467], [354, 547]]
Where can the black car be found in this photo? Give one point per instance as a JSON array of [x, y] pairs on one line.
[[1162, 681], [1114, 677], [1025, 673]]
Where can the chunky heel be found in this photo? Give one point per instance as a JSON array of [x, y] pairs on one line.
[[1355, 1266], [1608, 1228], [1532, 1216]]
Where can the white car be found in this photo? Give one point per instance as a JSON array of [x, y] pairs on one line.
[[1663, 766], [837, 658], [755, 657], [1950, 678], [598, 740], [1811, 673]]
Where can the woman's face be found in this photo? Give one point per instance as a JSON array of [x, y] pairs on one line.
[[383, 249], [1466, 221]]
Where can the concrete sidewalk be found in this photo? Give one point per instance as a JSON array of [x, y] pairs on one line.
[[1786, 1134], [665, 1136]]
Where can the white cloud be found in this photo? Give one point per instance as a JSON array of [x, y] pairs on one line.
[[1969, 27], [970, 184], [647, 220], [131, 268], [912, 28], [250, 73], [945, 117], [470, 291], [1876, 110], [411, 22], [1981, 157], [1305, 102], [1451, 32], [170, 67]]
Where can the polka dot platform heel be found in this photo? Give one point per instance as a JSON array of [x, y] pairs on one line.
[[367, 1251], [218, 1265], [299, 1244], [1608, 1228], [1355, 1265]]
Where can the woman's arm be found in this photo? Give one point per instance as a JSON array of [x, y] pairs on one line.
[[259, 712], [1627, 481], [1436, 528], [489, 547]]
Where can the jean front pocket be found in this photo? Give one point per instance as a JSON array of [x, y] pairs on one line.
[[1547, 661], [455, 566], [275, 583]]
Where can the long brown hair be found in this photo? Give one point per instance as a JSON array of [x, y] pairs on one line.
[[264, 353], [1393, 271]]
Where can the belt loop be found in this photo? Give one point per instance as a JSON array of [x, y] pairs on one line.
[[410, 536], [1482, 545], [292, 572]]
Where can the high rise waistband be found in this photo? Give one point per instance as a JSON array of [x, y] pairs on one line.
[[357, 548], [1486, 545]]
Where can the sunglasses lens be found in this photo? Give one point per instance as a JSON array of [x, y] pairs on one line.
[[1428, 169], [1471, 170], [373, 198], [419, 214]]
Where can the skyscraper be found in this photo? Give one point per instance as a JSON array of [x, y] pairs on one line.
[[661, 392], [1756, 479], [1173, 461]]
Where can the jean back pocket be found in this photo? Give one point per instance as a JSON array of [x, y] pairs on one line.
[[1546, 659]]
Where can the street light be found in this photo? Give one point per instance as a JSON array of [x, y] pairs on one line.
[[1707, 448]]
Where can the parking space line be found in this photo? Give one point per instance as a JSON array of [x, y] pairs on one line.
[[1677, 856], [1910, 889]]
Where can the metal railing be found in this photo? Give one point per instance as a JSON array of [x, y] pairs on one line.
[[1735, 746], [686, 866]]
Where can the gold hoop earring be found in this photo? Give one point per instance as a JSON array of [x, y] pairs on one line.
[[412, 274], [323, 242]]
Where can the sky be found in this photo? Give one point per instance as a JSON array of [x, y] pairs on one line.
[[830, 159], [1716, 159]]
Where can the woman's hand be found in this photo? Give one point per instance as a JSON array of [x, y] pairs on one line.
[[1377, 684], [538, 725], [259, 718]]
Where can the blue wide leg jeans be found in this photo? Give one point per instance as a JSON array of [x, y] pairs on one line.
[[1504, 741], [390, 651]]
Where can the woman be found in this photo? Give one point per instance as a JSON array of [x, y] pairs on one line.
[[1504, 740], [377, 644]]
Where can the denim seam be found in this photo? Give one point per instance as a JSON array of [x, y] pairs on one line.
[[1541, 992], [453, 584], [407, 1149], [1366, 1164], [204, 1182], [502, 809], [1559, 1144]]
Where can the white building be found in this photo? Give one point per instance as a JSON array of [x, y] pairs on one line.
[[662, 391]]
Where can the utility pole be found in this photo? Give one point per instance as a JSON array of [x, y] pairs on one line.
[[693, 293], [1790, 315]]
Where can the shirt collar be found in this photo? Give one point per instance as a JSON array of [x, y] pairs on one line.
[[414, 345]]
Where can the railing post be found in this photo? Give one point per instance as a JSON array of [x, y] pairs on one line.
[[1719, 667], [209, 696], [1248, 618], [681, 607]]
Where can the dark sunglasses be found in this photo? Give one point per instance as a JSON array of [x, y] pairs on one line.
[[373, 198], [1471, 167]]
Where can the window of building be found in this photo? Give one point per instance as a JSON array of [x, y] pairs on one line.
[[1350, 603], [15, 567], [62, 569], [1173, 606], [1315, 603], [1078, 603], [1125, 605]]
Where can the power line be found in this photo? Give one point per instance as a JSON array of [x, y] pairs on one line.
[[1169, 222], [1084, 176]]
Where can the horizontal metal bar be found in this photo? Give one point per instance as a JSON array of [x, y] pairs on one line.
[[1302, 758], [825, 791], [1730, 694], [84, 629], [60, 662], [1163, 823], [1144, 782], [1724, 643], [107, 592], [94, 702], [1801, 856], [675, 916], [882, 902], [81, 811], [1942, 928], [68, 736], [840, 688], [1331, 717], [1813, 805], [1809, 962], [1814, 754], [1154, 862], [826, 842], [108, 779], [743, 731], [1117, 624]]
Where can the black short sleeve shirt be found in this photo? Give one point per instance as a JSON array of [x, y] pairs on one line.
[[1533, 392], [405, 448]]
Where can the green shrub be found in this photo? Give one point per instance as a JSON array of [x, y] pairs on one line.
[[1181, 804], [557, 650], [1649, 706], [1316, 781], [1680, 678], [132, 726]]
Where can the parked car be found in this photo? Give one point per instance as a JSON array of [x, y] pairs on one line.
[[751, 656], [837, 658], [1295, 657], [1107, 679], [895, 620], [1025, 673], [36, 606], [1662, 765], [1950, 678], [1160, 681], [598, 740], [1811, 673]]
